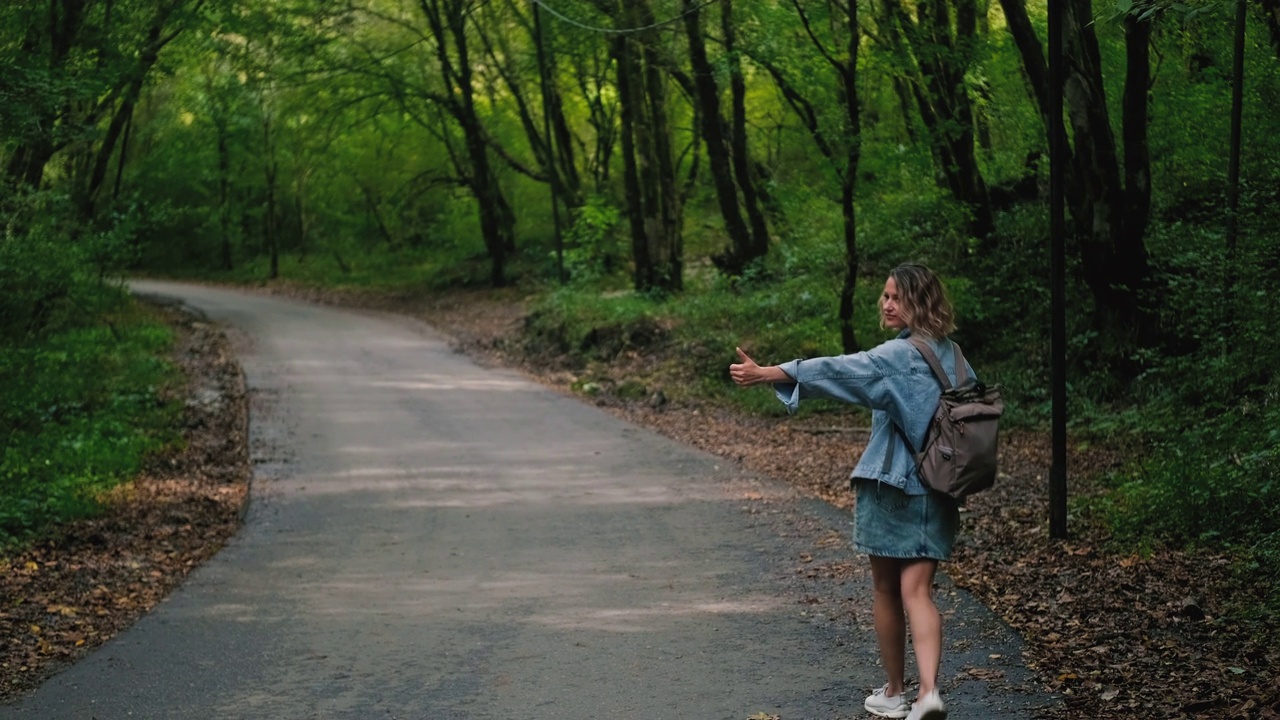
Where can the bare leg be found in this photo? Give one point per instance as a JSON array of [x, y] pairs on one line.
[[891, 627], [926, 623]]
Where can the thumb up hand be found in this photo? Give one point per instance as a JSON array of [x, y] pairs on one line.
[[746, 372]]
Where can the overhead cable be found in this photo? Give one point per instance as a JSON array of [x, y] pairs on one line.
[[619, 31]]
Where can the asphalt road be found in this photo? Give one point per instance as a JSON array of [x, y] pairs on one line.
[[431, 539]]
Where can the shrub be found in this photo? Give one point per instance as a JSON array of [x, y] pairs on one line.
[[80, 411]]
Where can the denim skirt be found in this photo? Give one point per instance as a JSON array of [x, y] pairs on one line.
[[890, 523]]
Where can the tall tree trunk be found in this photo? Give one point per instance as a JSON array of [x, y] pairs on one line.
[[270, 226], [224, 190], [603, 115], [739, 254], [742, 167], [448, 20], [668, 236], [627, 95], [1132, 269], [653, 202], [849, 183], [842, 150], [944, 60], [1109, 208], [1114, 258], [65, 19], [147, 58], [891, 19], [102, 160], [122, 159], [1034, 67], [496, 219], [564, 139]]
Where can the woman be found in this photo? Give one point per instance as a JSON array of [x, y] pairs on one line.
[[901, 524]]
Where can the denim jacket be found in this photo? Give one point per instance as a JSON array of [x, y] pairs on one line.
[[893, 380]]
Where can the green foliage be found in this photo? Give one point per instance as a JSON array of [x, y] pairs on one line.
[[78, 363], [79, 412], [1215, 485], [1209, 405], [592, 250], [771, 319], [326, 134], [53, 268], [40, 277]]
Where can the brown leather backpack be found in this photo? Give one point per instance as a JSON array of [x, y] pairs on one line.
[[959, 453]]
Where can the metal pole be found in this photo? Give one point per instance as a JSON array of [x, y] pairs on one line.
[[1057, 241], [552, 173]]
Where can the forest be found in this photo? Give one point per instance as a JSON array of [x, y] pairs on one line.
[[709, 172]]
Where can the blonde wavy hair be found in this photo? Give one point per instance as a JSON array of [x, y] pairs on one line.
[[922, 302]]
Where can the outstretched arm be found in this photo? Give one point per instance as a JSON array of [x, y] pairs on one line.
[[748, 373]]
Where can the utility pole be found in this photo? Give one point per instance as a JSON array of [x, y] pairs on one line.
[[1057, 241]]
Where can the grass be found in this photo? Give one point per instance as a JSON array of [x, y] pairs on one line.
[[82, 408]]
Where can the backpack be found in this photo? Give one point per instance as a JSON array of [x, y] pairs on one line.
[[959, 453]]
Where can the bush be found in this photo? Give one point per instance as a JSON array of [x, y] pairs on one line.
[[79, 364], [80, 411]]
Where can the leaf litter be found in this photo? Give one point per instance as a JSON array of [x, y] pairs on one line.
[[1113, 634], [88, 580]]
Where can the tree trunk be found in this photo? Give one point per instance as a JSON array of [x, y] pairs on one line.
[[1271, 16], [122, 159], [630, 164], [224, 191], [653, 205], [849, 184], [592, 75], [148, 56], [447, 19], [944, 60], [943, 51], [891, 12], [738, 137], [493, 225], [739, 254], [106, 149], [58, 37], [1131, 270], [668, 237], [569, 176], [1034, 67], [1113, 254], [1110, 209], [269, 223]]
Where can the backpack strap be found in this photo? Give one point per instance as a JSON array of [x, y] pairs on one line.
[[931, 357]]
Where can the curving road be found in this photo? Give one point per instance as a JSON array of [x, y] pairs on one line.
[[430, 539]]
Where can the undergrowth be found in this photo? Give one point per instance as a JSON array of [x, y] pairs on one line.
[[81, 409]]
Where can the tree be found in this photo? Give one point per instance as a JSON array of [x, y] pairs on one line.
[[1108, 196], [1271, 16], [940, 48], [654, 208], [553, 148], [838, 138], [432, 79], [88, 61], [726, 145]]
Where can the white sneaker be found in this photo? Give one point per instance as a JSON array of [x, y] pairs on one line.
[[928, 707], [878, 703]]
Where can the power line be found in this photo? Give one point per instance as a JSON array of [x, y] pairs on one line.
[[620, 31]]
